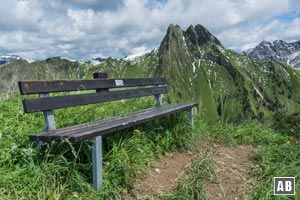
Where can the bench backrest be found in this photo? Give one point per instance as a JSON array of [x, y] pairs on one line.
[[134, 87]]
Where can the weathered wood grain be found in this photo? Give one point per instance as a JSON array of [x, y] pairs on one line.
[[35, 87], [56, 102], [89, 131]]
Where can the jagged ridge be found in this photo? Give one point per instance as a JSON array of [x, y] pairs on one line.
[[278, 50], [227, 86]]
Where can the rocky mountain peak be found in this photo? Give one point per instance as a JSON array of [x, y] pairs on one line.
[[204, 35], [193, 39], [200, 35], [173, 38], [6, 59], [173, 29], [192, 34], [278, 50], [279, 42]]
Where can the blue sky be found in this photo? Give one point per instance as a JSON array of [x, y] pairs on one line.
[[84, 29]]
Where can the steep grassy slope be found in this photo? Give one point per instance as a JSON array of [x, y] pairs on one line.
[[228, 86]]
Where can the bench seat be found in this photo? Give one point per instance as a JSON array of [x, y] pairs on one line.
[[93, 129], [54, 94]]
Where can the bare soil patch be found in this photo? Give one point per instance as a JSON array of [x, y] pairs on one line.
[[233, 170], [163, 175], [233, 167]]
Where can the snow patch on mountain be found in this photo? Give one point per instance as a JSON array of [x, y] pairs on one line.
[[278, 50], [97, 61], [6, 59], [137, 54]]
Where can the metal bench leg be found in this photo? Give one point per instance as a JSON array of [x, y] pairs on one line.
[[158, 98], [191, 118], [49, 122], [97, 163], [191, 113]]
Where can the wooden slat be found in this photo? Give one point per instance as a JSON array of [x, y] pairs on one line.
[[89, 125], [51, 103], [34, 87], [108, 126], [126, 123]]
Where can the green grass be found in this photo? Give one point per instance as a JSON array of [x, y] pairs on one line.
[[61, 170], [276, 154], [252, 133], [275, 161]]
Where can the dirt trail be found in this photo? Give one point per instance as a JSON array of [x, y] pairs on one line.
[[164, 174], [233, 166]]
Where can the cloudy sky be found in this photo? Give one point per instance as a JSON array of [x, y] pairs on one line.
[[83, 29]]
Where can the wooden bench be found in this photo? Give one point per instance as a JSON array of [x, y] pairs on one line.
[[132, 88]]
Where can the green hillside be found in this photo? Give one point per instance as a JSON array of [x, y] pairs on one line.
[[227, 85], [52, 68], [61, 68]]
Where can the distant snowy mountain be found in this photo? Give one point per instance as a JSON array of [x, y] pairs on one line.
[[136, 55], [97, 61], [94, 61], [278, 50], [5, 59]]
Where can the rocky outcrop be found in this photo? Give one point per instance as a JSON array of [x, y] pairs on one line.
[[278, 50]]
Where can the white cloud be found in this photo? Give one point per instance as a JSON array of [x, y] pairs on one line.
[[243, 39], [81, 29], [293, 30], [94, 4], [21, 15]]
